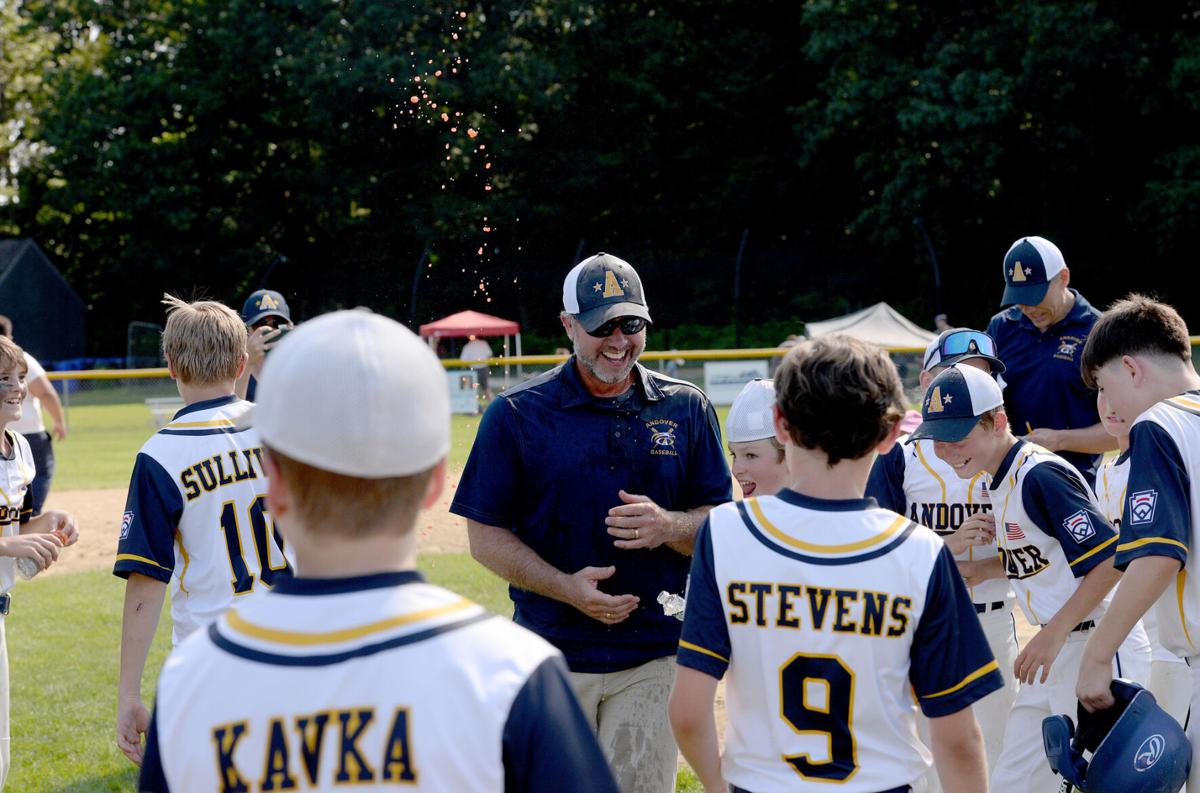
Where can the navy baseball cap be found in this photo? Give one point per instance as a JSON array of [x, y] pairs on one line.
[[265, 303], [603, 287], [1029, 267], [956, 399], [958, 344]]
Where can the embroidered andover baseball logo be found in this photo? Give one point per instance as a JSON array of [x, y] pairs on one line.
[[1141, 507], [1068, 347], [662, 437], [1080, 526]]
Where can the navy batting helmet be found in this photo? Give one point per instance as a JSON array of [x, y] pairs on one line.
[[1134, 745]]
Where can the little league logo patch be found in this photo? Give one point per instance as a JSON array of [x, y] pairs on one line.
[[1079, 526], [126, 522], [1141, 507]]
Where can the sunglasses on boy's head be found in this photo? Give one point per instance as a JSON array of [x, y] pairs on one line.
[[963, 342], [628, 325]]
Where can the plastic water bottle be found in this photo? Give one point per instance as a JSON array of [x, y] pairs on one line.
[[672, 604], [26, 567]]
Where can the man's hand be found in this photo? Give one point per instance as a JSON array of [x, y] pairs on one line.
[[258, 343], [583, 593], [979, 529], [133, 720], [60, 431], [1048, 439], [1092, 688], [1039, 653], [640, 523], [975, 572]]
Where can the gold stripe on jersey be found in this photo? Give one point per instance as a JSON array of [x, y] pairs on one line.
[[1029, 603], [1189, 405], [1180, 581], [978, 673], [697, 648], [891, 531], [199, 425], [278, 636], [1095, 550], [187, 559], [132, 557], [941, 482], [1129, 546]]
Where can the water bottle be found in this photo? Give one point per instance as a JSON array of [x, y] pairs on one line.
[[672, 604], [26, 567]]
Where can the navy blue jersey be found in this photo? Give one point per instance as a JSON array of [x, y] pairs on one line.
[[548, 461], [1043, 385]]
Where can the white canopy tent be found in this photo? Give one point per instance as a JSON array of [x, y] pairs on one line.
[[880, 324]]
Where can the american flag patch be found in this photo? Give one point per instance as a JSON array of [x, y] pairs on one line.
[[1013, 532], [126, 521], [1079, 526]]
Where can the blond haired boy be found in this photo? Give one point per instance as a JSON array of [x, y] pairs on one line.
[[196, 515]]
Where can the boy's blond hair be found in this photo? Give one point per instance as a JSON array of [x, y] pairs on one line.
[[331, 503], [12, 356], [205, 341]]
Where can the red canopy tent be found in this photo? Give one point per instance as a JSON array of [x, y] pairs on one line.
[[473, 323]]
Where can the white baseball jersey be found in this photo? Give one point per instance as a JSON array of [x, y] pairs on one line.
[[1162, 511], [1111, 483], [16, 472], [912, 480], [196, 515], [833, 619], [381, 681], [1050, 529], [31, 407]]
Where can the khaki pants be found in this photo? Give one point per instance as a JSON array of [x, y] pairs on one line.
[[628, 710], [3, 705]]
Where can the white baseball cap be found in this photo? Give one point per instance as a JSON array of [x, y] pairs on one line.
[[356, 394], [752, 415]]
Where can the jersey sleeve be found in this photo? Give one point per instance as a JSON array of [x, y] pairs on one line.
[[709, 481], [952, 664], [152, 512], [704, 644], [490, 486], [152, 779], [886, 482], [547, 741], [1156, 515], [1061, 507]]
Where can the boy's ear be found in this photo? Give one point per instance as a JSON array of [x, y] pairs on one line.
[[437, 482], [1000, 422], [242, 367], [170, 367], [1134, 369], [279, 497], [782, 433], [925, 378], [885, 445]]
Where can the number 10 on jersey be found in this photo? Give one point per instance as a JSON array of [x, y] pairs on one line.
[[271, 561]]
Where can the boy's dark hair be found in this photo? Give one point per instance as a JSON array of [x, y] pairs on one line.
[[5, 326], [839, 395], [1133, 325]]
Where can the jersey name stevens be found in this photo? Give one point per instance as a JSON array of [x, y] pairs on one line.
[[293, 750], [797, 606]]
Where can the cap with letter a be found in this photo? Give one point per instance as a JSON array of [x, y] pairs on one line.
[[370, 369], [603, 287], [265, 303], [1029, 266], [954, 403]]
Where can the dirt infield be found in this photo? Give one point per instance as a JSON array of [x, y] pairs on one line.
[[98, 513]]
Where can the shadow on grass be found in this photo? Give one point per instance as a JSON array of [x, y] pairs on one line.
[[116, 781]]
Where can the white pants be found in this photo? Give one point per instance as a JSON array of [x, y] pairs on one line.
[[1132, 661], [992, 711], [1022, 765], [4, 758], [628, 711], [1171, 685]]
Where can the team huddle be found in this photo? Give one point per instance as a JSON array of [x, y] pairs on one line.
[[857, 601]]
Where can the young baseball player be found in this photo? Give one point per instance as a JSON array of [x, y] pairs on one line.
[[1055, 549], [912, 480], [756, 457], [22, 536], [829, 614], [1139, 356], [196, 516], [356, 671]]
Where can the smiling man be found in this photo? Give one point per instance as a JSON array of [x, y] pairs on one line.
[[584, 490], [1039, 336]]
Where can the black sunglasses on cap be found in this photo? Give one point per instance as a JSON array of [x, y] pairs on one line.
[[628, 325]]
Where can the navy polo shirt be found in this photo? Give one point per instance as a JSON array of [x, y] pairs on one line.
[[548, 461], [1044, 387]]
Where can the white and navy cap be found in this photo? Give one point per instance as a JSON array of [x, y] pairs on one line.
[[958, 344], [956, 399], [1029, 267], [603, 287], [752, 414], [370, 369]]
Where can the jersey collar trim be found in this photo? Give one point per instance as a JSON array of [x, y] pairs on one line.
[[206, 404], [293, 585], [1007, 462], [826, 504]]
